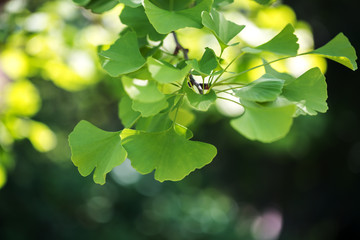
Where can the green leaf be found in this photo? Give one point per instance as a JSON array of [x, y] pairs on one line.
[[123, 56], [97, 6], [207, 63], [308, 92], [157, 123], [131, 3], [201, 102], [284, 43], [281, 75], [165, 21], [223, 29], [93, 148], [340, 50], [149, 109], [264, 89], [137, 20], [169, 153], [142, 90], [164, 72], [126, 114], [265, 124]]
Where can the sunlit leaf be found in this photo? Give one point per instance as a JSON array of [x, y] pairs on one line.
[[149, 109], [265, 124], [142, 90], [126, 114], [207, 63], [164, 72], [308, 92], [264, 89], [123, 56], [284, 43], [165, 21], [223, 29], [169, 153], [222, 3], [340, 50], [93, 148], [201, 102]]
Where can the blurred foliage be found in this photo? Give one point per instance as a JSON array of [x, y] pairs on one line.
[[303, 187]]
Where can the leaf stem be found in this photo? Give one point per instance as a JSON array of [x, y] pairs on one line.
[[230, 100]]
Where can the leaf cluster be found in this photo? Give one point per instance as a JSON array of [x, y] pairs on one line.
[[162, 88]]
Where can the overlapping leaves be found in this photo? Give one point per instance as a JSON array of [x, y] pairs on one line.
[[160, 92]]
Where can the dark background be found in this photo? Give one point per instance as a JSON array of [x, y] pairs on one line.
[[312, 177]]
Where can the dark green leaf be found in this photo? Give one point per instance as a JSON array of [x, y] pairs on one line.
[[93, 148], [165, 21], [308, 92], [266, 88], [339, 49], [169, 153], [123, 56], [137, 20], [97, 6]]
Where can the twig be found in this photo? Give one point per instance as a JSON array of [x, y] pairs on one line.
[[185, 51]]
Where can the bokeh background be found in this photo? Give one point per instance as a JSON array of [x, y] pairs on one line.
[[305, 186]]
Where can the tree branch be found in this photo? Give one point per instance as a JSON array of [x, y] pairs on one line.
[[185, 51]]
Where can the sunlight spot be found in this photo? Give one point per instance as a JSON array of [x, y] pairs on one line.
[[267, 226]]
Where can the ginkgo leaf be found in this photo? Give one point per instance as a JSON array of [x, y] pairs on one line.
[[142, 90], [169, 153], [137, 20], [165, 21], [264, 2], [126, 114], [284, 43], [281, 75], [201, 102], [340, 50], [93, 148], [149, 109], [164, 72], [123, 56], [207, 63], [308, 92], [223, 29], [264, 89], [265, 124]]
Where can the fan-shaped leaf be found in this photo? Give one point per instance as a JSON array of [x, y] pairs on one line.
[[308, 92], [223, 29], [126, 114], [142, 90], [265, 124], [165, 21], [93, 148], [207, 63], [340, 50], [164, 72], [123, 56], [149, 109], [201, 102], [169, 153], [264, 89]]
